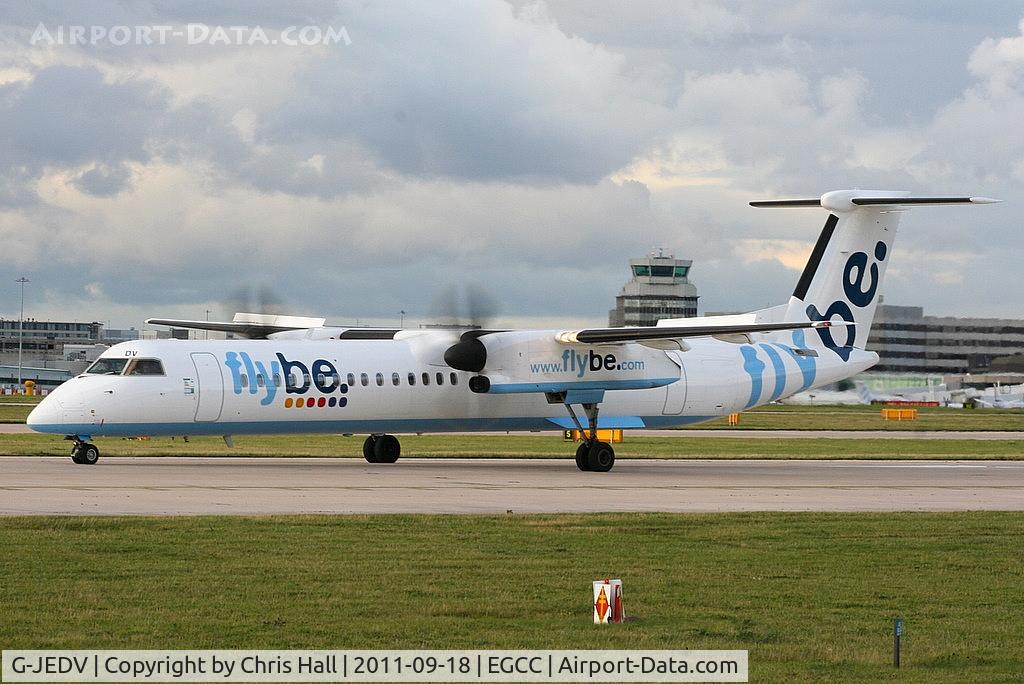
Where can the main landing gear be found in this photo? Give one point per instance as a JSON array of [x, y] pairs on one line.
[[592, 455], [84, 453], [381, 449]]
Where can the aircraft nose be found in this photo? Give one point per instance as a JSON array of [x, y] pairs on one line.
[[46, 417]]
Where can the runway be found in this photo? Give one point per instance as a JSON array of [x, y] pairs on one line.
[[261, 486], [22, 429]]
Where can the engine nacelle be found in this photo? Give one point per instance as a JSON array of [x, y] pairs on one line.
[[535, 361]]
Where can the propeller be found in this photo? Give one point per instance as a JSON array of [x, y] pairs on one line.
[[468, 308], [259, 299]]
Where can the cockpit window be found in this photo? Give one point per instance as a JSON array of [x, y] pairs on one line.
[[145, 367], [107, 367]]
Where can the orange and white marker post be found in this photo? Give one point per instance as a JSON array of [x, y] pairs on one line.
[[608, 601]]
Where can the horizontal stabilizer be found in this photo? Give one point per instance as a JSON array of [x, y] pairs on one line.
[[880, 201], [847, 200], [667, 332], [816, 202]]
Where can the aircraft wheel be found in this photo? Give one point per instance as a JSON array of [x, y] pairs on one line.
[[387, 449], [75, 455], [88, 454], [581, 455], [368, 449], [601, 457]]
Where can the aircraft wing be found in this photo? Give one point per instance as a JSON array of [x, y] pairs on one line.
[[252, 326], [669, 332], [253, 331]]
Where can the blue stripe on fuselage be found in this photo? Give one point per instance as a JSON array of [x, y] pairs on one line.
[[780, 371], [354, 426]]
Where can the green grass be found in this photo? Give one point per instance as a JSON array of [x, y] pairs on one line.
[[531, 446], [15, 409], [812, 596], [784, 417]]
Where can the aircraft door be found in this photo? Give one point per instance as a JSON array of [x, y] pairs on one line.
[[210, 387], [675, 394]]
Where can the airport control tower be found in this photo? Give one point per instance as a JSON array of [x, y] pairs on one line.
[[660, 288]]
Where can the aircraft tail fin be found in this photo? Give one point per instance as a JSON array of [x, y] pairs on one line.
[[844, 272]]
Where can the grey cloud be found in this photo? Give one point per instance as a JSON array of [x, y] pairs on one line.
[[68, 116], [478, 145], [268, 13], [477, 93], [103, 180]]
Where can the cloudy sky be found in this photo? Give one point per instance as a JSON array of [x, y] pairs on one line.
[[528, 147]]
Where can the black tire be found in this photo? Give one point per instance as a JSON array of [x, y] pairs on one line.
[[75, 457], [601, 457], [88, 454], [387, 449], [582, 451], [368, 449]]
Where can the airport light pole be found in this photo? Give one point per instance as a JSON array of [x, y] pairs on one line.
[[21, 325], [402, 324]]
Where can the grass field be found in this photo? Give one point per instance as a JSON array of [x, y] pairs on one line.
[[531, 446], [15, 409], [784, 417], [811, 596]]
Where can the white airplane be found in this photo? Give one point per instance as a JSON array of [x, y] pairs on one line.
[[296, 375]]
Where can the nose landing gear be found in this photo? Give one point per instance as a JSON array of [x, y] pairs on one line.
[[84, 453]]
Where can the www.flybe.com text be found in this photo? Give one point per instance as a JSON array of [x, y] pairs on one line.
[[581, 363]]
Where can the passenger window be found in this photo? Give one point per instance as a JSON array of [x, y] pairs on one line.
[[321, 379], [260, 382], [351, 379], [396, 379], [244, 380], [440, 378], [412, 379], [277, 380], [145, 367], [380, 379], [364, 379], [454, 378], [426, 379]]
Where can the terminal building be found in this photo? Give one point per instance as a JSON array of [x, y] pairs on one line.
[[910, 342], [53, 351], [659, 288], [45, 338]]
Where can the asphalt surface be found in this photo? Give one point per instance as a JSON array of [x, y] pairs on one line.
[[259, 486]]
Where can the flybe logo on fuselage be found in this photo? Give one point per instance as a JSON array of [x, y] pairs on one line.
[[854, 274], [255, 377], [580, 363]]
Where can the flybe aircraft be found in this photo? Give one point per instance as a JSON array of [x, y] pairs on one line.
[[297, 375]]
